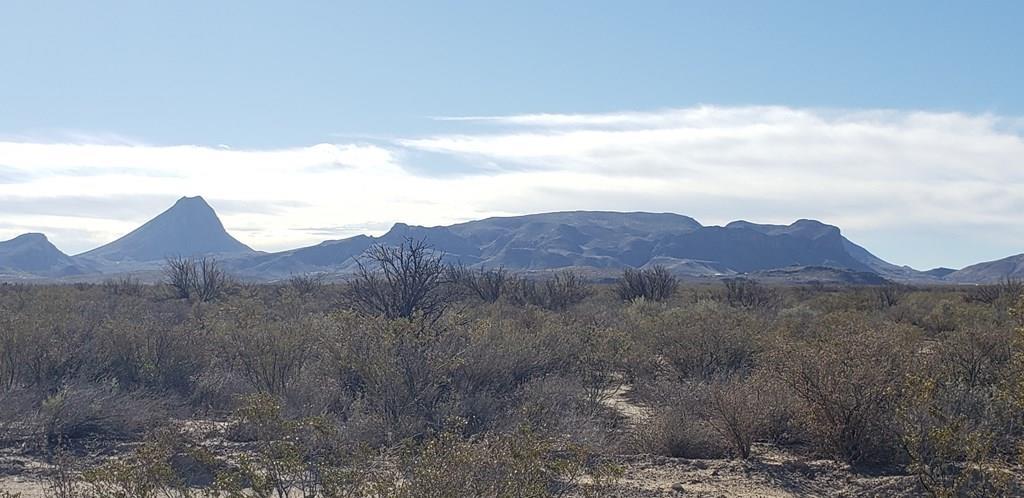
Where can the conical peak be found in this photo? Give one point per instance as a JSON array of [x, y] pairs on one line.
[[188, 228], [197, 199], [30, 237], [196, 202]]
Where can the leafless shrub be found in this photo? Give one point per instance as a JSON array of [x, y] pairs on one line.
[[653, 284], [889, 295], [307, 283], [486, 284], [202, 280], [749, 294], [556, 293], [124, 286], [400, 282], [1008, 290]]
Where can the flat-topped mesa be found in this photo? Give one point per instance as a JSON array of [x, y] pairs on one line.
[[189, 228]]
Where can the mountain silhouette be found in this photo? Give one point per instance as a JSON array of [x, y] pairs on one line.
[[600, 242], [189, 228], [33, 254]]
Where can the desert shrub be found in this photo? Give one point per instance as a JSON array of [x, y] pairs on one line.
[[976, 355], [950, 451], [736, 409], [147, 346], [401, 282], [850, 377], [749, 294], [1006, 291], [167, 464], [201, 279], [400, 375], [677, 429], [934, 312], [784, 418], [653, 284], [124, 286], [78, 412], [889, 295], [17, 415], [498, 465], [44, 343], [704, 340], [267, 349], [307, 283], [559, 292], [486, 284], [287, 456]]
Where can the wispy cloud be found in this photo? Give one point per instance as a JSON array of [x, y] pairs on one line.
[[879, 174]]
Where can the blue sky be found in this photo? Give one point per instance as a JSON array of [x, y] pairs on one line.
[[370, 78]]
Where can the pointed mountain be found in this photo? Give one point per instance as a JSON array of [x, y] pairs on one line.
[[189, 228], [33, 254]]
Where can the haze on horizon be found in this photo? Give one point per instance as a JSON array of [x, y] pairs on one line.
[[901, 124]]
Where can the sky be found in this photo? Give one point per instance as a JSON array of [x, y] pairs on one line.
[[900, 122]]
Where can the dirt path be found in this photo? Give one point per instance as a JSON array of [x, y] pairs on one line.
[[770, 473]]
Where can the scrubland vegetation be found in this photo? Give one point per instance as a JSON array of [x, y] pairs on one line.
[[422, 379]]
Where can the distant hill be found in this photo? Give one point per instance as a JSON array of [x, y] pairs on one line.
[[990, 271], [31, 254], [189, 228], [939, 272]]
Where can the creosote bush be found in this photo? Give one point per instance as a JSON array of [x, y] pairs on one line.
[[850, 377]]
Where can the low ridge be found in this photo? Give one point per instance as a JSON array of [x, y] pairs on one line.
[[33, 254]]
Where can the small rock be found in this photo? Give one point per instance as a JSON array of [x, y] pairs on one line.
[[678, 487]]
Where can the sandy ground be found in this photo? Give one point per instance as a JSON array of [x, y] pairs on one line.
[[770, 474]]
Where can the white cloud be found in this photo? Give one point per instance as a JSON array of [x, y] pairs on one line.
[[875, 173]]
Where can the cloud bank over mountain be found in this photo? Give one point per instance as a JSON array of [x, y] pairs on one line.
[[892, 179]]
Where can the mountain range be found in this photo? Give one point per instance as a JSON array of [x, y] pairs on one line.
[[597, 242]]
